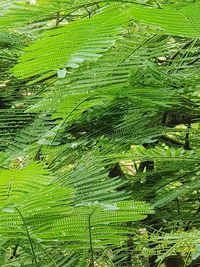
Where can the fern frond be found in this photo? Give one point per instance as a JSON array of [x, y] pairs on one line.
[[65, 51]]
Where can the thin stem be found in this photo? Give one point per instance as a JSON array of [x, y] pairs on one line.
[[178, 206], [28, 235], [101, 1], [187, 138], [90, 238], [57, 18], [64, 121], [187, 259]]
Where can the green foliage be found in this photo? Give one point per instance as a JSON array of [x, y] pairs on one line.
[[35, 208], [99, 133]]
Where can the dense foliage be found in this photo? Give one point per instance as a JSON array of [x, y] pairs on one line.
[[100, 140]]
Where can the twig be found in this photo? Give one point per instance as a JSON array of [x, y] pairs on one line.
[[14, 252], [57, 18]]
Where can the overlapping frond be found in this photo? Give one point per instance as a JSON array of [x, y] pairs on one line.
[[106, 95], [51, 213]]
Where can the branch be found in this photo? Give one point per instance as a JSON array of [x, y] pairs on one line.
[[14, 252], [172, 141]]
